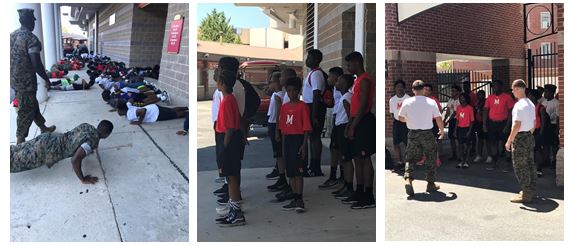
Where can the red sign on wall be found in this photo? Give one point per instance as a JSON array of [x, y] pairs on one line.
[[175, 36]]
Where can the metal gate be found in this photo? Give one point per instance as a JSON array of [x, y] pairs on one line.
[[477, 80], [542, 66]]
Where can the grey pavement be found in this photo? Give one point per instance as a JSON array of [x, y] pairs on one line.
[[472, 204], [142, 194], [326, 218]]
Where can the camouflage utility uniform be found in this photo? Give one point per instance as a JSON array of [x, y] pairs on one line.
[[50, 148], [23, 79], [524, 163], [421, 143]]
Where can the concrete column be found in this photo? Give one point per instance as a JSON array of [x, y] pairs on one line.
[[315, 24], [42, 92], [58, 29], [360, 27], [49, 35]]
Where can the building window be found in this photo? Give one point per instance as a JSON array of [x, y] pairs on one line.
[[112, 19], [545, 50], [545, 20]]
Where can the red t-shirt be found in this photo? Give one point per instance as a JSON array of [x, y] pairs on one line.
[[355, 97], [538, 115], [228, 114], [438, 103], [473, 99], [478, 113], [499, 106], [294, 119], [465, 115]]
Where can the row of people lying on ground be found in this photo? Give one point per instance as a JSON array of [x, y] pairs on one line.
[[470, 134]]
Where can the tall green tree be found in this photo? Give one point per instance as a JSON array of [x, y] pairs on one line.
[[216, 27]]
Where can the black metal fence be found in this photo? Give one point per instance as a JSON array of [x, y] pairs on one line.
[[542, 66], [477, 80]]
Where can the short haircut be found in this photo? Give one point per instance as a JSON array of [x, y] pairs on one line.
[[481, 91], [457, 87], [497, 82], [275, 75], [294, 81], [519, 83], [228, 78], [550, 87], [106, 95], [229, 63], [105, 126], [338, 71], [290, 72], [466, 96], [354, 56], [316, 54], [418, 85], [428, 85], [399, 81], [122, 106], [349, 79]]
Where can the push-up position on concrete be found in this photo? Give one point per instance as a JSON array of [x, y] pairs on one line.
[[50, 148], [150, 113]]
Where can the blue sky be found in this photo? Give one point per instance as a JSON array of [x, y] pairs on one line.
[[241, 17]]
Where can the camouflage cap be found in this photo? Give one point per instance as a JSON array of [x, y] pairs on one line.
[[26, 13]]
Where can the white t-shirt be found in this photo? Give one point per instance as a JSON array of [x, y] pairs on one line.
[[216, 100], [524, 111], [452, 104], [152, 113], [285, 99], [272, 109], [240, 94], [339, 109], [418, 110], [313, 81], [395, 104], [336, 96], [552, 108]]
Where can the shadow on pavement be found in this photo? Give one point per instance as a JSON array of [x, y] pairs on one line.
[[437, 196], [540, 205]]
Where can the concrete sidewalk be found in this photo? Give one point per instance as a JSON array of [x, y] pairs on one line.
[[473, 204], [142, 194], [326, 218]]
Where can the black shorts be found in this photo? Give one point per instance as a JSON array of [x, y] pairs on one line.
[[399, 132], [317, 130], [333, 144], [538, 139], [551, 135], [461, 135], [363, 144], [495, 130], [229, 157], [219, 137], [343, 143], [452, 126], [293, 161], [478, 129], [276, 146], [166, 114]]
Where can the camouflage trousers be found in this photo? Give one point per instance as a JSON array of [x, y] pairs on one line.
[[28, 112], [45, 149], [524, 162], [421, 143]]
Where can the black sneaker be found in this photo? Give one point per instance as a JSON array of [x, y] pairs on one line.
[[223, 189], [328, 184], [368, 202], [341, 189], [300, 207], [273, 175], [278, 186], [235, 218], [314, 173], [345, 194], [291, 206], [284, 196], [352, 199], [224, 200]]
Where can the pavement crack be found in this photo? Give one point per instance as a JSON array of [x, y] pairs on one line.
[[109, 196], [165, 154]]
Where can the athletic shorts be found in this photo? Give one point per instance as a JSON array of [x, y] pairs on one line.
[[294, 164], [478, 128], [399, 132], [538, 139], [461, 135], [551, 135], [229, 156], [452, 126], [317, 130], [343, 143], [166, 114], [333, 144], [276, 146], [495, 130], [363, 144]]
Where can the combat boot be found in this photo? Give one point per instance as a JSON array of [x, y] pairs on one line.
[[431, 187], [409, 187], [47, 129], [522, 198]]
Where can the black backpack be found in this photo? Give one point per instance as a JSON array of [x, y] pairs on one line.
[[252, 100]]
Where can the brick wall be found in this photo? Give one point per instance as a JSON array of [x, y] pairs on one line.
[[174, 71], [114, 41], [335, 32], [148, 25], [561, 62]]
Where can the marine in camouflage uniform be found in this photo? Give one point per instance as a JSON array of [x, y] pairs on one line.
[[23, 80], [524, 164], [50, 148], [421, 143]]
